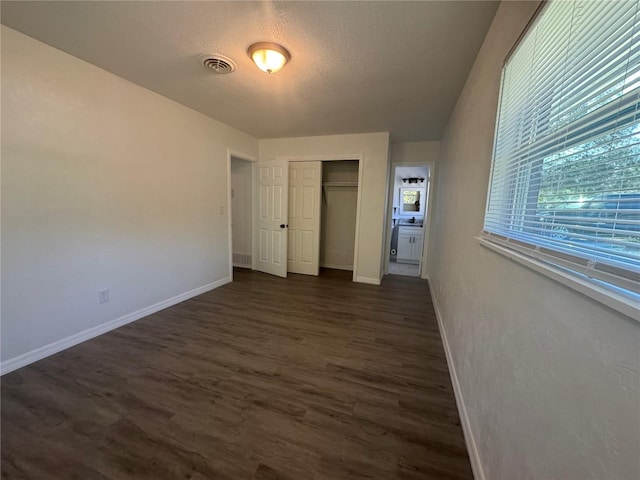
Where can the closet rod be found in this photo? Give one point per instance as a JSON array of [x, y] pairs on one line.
[[339, 184]]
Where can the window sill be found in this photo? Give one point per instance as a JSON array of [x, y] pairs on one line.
[[616, 299]]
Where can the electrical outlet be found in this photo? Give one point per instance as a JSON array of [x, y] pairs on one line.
[[103, 295]]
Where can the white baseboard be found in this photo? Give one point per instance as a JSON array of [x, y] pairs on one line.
[[370, 281], [472, 448], [55, 347], [241, 265]]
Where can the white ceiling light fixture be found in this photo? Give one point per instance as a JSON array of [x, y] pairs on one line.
[[269, 57]]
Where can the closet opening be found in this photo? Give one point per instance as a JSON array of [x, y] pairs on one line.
[[338, 214], [322, 216]]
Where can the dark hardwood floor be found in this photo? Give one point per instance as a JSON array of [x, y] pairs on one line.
[[264, 378]]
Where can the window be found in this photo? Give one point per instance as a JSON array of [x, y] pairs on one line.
[[565, 178]]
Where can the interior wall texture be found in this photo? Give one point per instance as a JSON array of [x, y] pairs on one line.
[[549, 376], [105, 185], [414, 152], [375, 150]]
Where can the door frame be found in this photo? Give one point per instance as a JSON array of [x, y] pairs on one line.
[[253, 160], [359, 157], [431, 166]]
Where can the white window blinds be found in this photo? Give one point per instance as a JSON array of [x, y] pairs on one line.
[[565, 181]]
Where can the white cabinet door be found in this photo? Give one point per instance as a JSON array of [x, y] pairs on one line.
[[405, 247], [409, 245], [416, 250]]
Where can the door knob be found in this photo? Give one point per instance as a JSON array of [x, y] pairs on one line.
[[282, 225]]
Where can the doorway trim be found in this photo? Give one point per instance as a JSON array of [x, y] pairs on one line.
[[431, 166], [253, 160], [335, 157]]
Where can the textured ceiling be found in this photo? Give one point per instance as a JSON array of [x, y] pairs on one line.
[[355, 67]]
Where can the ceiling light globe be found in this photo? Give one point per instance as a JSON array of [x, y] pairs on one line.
[[268, 57]]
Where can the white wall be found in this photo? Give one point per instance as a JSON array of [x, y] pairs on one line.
[[411, 153], [549, 377], [104, 185], [375, 150], [241, 208]]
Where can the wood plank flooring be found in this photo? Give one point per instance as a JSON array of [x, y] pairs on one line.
[[265, 378]]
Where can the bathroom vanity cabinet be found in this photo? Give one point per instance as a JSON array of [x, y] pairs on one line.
[[409, 244]]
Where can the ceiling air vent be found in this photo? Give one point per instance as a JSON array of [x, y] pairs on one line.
[[218, 63]]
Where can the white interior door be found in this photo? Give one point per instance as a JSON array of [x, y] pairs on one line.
[[271, 221], [305, 183]]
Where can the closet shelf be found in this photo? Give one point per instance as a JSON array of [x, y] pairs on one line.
[[339, 184]]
